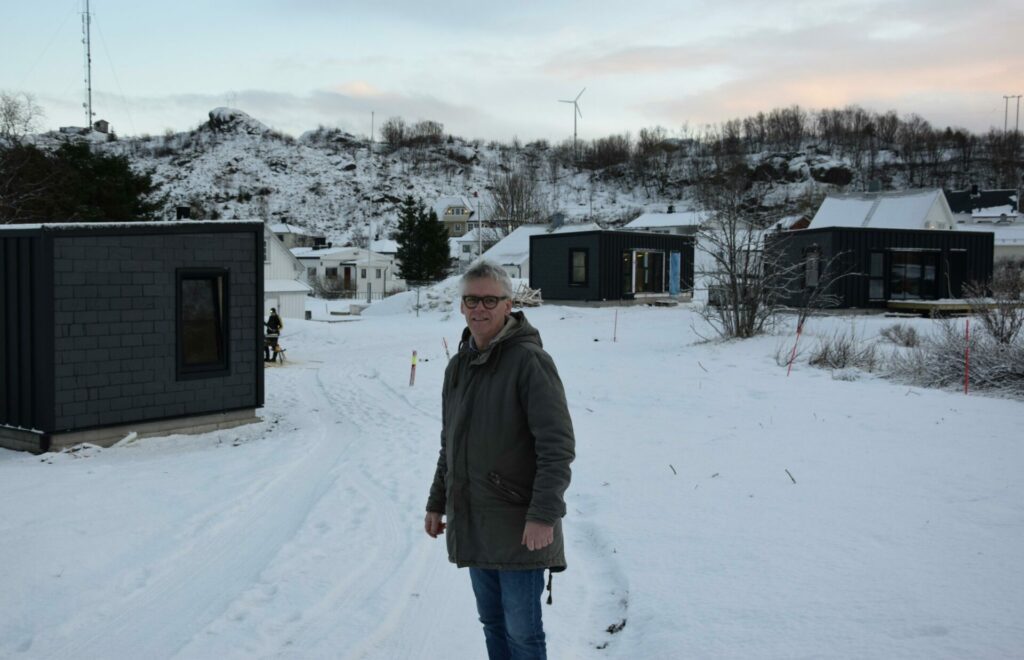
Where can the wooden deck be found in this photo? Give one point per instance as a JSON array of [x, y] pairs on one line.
[[931, 308]]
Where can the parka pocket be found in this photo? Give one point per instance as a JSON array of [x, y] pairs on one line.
[[510, 493]]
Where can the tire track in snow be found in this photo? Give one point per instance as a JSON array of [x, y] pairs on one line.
[[183, 595], [383, 593]]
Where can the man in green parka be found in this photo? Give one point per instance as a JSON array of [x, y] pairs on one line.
[[506, 445]]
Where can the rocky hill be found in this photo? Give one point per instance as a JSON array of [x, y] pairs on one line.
[[232, 166]]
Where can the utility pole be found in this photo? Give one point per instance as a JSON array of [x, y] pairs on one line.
[[87, 40], [1016, 125], [1006, 110]]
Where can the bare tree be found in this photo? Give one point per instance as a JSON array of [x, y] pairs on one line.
[[741, 296], [515, 198], [1000, 304], [19, 115]]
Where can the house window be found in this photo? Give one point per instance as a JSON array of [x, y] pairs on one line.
[[876, 277], [202, 322], [458, 226], [466, 249], [331, 273], [812, 266], [378, 273], [311, 272], [266, 251], [912, 275], [362, 273], [577, 267]]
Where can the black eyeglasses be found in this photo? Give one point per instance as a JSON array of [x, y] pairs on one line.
[[490, 302]]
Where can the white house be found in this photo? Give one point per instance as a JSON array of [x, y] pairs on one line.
[[466, 248], [350, 269], [995, 211], [685, 223], [455, 212], [513, 251], [284, 287], [910, 209], [294, 236]]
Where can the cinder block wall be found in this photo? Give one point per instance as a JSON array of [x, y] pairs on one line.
[[115, 327]]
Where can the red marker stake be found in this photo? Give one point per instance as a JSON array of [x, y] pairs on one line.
[[967, 356], [412, 370], [799, 329]]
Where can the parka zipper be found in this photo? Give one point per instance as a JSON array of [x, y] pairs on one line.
[[503, 486]]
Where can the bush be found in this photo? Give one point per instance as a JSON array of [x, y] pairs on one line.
[[901, 334], [844, 350], [999, 305], [939, 361]]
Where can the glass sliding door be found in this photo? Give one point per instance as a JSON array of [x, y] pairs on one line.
[[913, 275]]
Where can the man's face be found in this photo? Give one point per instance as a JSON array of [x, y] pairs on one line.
[[485, 324]]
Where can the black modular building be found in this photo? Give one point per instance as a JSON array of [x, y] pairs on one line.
[[600, 265], [108, 329], [882, 265]]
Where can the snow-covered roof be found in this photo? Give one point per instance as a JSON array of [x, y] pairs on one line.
[[447, 201], [489, 235], [125, 225], [515, 248], [995, 212], [384, 246], [285, 286], [889, 210], [285, 228], [662, 220], [1006, 235]]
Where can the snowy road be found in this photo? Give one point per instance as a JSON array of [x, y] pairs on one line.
[[301, 536]]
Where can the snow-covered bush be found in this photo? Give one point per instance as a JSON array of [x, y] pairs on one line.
[[941, 360], [901, 334], [1000, 304], [844, 349]]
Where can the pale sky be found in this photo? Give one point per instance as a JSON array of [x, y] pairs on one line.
[[497, 70]]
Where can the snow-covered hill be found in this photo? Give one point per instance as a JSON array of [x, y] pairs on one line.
[[233, 166]]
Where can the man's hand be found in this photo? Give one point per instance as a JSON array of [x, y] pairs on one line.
[[538, 535], [433, 525]]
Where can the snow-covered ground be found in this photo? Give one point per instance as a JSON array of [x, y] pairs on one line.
[[301, 536]]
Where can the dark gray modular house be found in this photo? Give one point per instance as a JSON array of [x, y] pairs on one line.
[[886, 264], [108, 329], [610, 265]]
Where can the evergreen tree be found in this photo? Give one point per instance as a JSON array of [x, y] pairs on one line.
[[71, 184], [422, 242]]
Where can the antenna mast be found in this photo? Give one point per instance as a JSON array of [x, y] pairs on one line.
[[87, 40]]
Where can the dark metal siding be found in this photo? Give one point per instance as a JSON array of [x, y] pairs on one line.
[[26, 375], [549, 261], [87, 331], [550, 265], [856, 244]]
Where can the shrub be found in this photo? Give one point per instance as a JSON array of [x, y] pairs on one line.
[[901, 334], [939, 361], [843, 350], [999, 305]]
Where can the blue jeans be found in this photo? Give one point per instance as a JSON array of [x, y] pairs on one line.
[[509, 607]]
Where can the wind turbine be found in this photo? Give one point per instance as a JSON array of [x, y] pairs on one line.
[[575, 114]]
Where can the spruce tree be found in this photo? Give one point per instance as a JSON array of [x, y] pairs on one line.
[[422, 242]]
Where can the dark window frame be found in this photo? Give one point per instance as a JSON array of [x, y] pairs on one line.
[[812, 267], [222, 366], [572, 267]]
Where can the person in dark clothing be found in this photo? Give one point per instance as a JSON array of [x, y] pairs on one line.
[[274, 326], [503, 467]]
